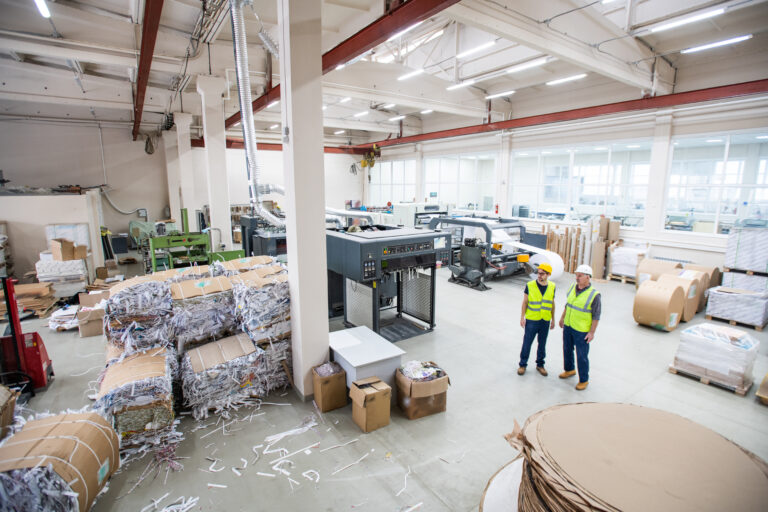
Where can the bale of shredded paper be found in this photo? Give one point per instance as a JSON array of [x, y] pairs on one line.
[[135, 333], [177, 275], [263, 303], [137, 314], [59, 463], [203, 310], [272, 374], [220, 374], [137, 393], [240, 265]]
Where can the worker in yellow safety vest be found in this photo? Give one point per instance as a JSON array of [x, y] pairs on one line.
[[579, 322], [537, 317]]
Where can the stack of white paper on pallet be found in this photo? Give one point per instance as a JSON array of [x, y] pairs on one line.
[[220, 374], [68, 277], [203, 311], [745, 281], [747, 249], [623, 258], [744, 306], [718, 352]]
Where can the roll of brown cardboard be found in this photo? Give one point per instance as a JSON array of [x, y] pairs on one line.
[[715, 277], [659, 305], [691, 293], [703, 279], [651, 269]]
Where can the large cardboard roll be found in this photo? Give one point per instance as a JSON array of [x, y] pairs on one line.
[[659, 305], [703, 280], [651, 269], [715, 277], [691, 290]]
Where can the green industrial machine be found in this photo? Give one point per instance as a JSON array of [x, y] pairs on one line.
[[185, 249]]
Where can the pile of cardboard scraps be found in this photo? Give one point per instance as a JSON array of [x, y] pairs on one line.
[[220, 374], [611, 457], [37, 297]]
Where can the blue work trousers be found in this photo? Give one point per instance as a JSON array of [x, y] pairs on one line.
[[532, 328], [576, 339]]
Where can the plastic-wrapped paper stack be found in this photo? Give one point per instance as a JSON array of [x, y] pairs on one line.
[[57, 464], [623, 259], [721, 353], [610, 457], [747, 249], [263, 302], [203, 310], [754, 283], [137, 314], [68, 277], [743, 306], [137, 393], [238, 266], [220, 374]]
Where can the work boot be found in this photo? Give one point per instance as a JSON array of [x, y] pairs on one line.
[[542, 370], [567, 374], [521, 370], [581, 386]]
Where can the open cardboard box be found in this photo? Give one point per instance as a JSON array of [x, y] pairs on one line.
[[331, 391], [419, 399], [371, 400]]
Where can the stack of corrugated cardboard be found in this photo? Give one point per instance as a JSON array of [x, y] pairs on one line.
[[37, 297]]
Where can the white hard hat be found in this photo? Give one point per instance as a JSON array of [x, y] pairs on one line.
[[584, 269]]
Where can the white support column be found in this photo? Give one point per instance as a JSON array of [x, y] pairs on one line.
[[419, 155], [502, 175], [173, 173], [182, 121], [211, 89], [657, 179], [301, 101]]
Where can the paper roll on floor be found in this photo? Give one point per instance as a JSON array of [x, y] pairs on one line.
[[651, 269], [703, 284], [691, 290], [659, 306]]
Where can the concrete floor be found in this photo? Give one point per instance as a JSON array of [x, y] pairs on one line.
[[451, 455]]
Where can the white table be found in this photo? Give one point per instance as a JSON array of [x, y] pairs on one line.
[[363, 353]]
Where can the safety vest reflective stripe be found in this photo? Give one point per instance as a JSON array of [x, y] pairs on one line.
[[586, 309], [578, 309]]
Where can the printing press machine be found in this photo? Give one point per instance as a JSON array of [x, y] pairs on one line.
[[387, 269], [476, 259]]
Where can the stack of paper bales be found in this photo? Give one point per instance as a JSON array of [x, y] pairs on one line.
[[137, 314], [203, 310], [263, 302]]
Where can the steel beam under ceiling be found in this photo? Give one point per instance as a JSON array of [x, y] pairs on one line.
[[152, 11], [233, 143], [379, 31], [665, 101]]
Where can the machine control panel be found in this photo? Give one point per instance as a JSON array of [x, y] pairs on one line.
[[369, 269], [408, 248]]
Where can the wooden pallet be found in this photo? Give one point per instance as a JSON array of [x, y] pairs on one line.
[[741, 391], [747, 272], [758, 328], [623, 279]]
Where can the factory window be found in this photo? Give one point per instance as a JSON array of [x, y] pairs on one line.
[[392, 181], [466, 181], [578, 182], [717, 182]]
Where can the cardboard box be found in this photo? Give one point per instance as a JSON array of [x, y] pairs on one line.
[[613, 230], [762, 392], [598, 260], [102, 272], [330, 391], [82, 449], [603, 233], [62, 250], [80, 252], [90, 322], [371, 400], [7, 408], [110, 264], [90, 300], [419, 399]]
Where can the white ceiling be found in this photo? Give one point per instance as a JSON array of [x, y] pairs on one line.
[[81, 65]]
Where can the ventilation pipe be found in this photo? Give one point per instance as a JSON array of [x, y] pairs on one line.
[[246, 112]]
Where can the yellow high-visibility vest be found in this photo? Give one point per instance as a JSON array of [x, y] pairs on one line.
[[578, 312], [540, 307]]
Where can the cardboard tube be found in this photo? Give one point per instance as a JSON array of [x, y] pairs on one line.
[[691, 290], [651, 269], [659, 306]]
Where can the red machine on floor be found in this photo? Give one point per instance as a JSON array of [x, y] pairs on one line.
[[23, 357]]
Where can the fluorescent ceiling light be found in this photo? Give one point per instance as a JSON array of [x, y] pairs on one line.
[[633, 146], [361, 114], [429, 111], [344, 100], [522, 154], [273, 126], [340, 66], [402, 32], [762, 137], [528, 65], [600, 148], [273, 103], [607, 1], [567, 79], [43, 8], [719, 43], [388, 105], [325, 107], [712, 141], [685, 21], [465, 83], [411, 74], [546, 152], [339, 132], [475, 49], [500, 94], [397, 118]]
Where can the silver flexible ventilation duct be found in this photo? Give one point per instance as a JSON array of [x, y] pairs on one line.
[[246, 113]]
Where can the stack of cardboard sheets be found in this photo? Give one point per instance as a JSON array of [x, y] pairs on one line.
[[37, 297], [610, 457]]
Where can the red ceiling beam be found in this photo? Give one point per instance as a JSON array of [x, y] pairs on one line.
[[233, 143], [152, 11], [379, 31], [665, 101]]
